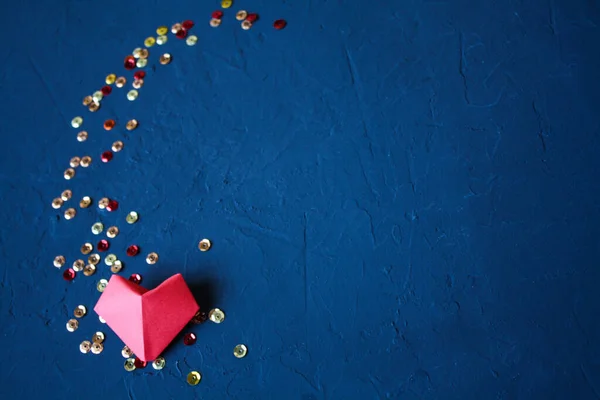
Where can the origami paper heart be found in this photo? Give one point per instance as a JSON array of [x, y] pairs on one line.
[[147, 320]]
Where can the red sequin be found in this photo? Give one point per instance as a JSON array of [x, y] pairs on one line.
[[135, 278], [189, 339], [181, 34], [103, 245], [139, 363], [139, 75], [187, 24], [69, 274], [279, 24], [112, 205], [106, 90], [217, 14], [252, 17], [129, 63], [106, 156], [133, 250]]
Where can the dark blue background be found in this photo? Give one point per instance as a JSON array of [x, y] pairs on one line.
[[402, 196]]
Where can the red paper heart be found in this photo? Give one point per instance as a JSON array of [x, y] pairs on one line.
[[147, 320]]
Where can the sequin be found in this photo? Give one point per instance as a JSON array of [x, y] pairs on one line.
[[112, 232], [76, 122], [116, 267], [86, 248], [110, 79], [103, 202], [129, 365], [87, 100], [85, 161], [181, 34], [139, 75], [241, 15], [149, 41], [69, 274], [226, 3], [135, 278], [216, 315], [132, 217], [66, 195], [82, 136], [126, 352], [97, 96], [110, 259], [141, 63], [120, 82], [246, 25], [57, 203], [85, 202], [131, 124], [102, 320], [161, 40], [191, 40], [136, 52], [74, 162], [187, 24], [194, 378], [106, 90], [162, 30], [189, 339], [159, 363], [240, 351], [94, 259], [102, 283], [85, 346], [59, 261], [252, 17], [70, 213], [106, 156], [144, 54], [139, 363], [97, 228], [215, 22], [103, 245], [152, 258], [112, 205], [117, 146], [138, 83], [78, 265], [132, 95], [176, 28], [98, 337], [218, 14], [204, 245], [89, 270], [109, 124], [133, 250], [97, 348], [129, 63], [72, 325], [80, 311], [165, 59], [94, 107], [69, 173]]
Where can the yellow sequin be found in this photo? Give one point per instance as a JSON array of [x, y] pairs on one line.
[[110, 79], [149, 42], [162, 30], [226, 3]]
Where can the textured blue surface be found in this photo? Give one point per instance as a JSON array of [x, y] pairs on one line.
[[402, 197]]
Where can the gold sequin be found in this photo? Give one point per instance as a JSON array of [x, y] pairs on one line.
[[57, 203], [74, 162], [98, 337], [226, 3], [132, 95], [132, 217], [85, 161], [240, 351], [149, 42], [159, 363], [94, 259], [110, 259], [141, 63], [76, 122], [162, 30], [120, 82], [85, 346], [87, 100], [129, 365], [101, 285], [87, 248], [103, 202], [136, 52], [102, 320], [126, 352], [131, 124], [85, 202], [80, 311], [117, 146], [162, 39], [69, 173], [97, 348], [89, 270], [72, 325], [214, 22], [110, 79], [246, 25], [66, 195], [97, 228], [138, 83], [112, 232], [175, 28], [82, 136], [116, 267], [204, 245], [191, 40], [70, 213], [194, 378], [165, 59], [241, 15], [97, 96], [59, 261], [94, 107], [78, 265], [216, 315], [152, 258]]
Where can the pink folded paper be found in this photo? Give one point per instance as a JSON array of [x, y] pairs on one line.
[[147, 320]]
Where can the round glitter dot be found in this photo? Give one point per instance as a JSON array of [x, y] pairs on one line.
[[69, 173], [132, 217], [162, 30], [176, 28], [241, 15], [181, 34], [85, 161], [109, 124], [246, 25], [85, 202], [69, 274], [85, 346], [189, 339], [116, 267], [138, 83], [240, 351], [98, 337], [102, 320], [187, 24], [59, 261], [97, 348], [191, 40], [94, 107], [199, 318], [70, 213], [136, 52], [106, 156], [252, 17], [139, 74], [66, 195], [57, 203], [129, 365], [279, 24], [74, 162], [80, 311], [120, 82], [117, 146], [139, 363], [106, 90], [204, 245], [89, 270], [72, 325], [87, 100], [135, 278], [216, 315], [94, 259], [144, 54], [161, 40], [152, 258], [214, 22], [102, 283], [129, 63], [149, 41], [82, 136], [159, 363], [110, 79], [165, 59], [141, 63], [112, 205], [218, 14], [78, 265], [110, 259], [112, 232], [132, 95], [226, 3], [97, 96], [86, 248], [102, 203], [103, 245], [131, 124], [126, 352], [194, 378], [133, 250], [76, 122]]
